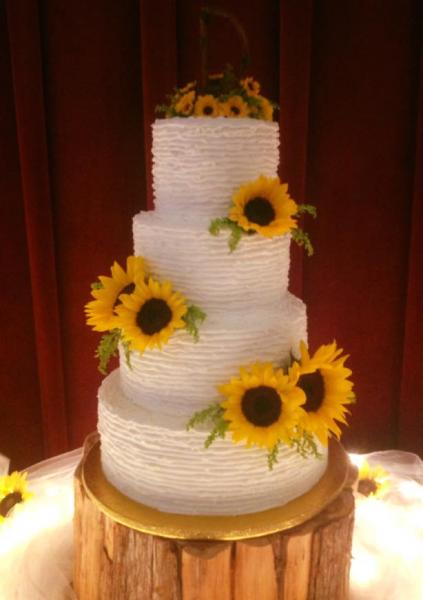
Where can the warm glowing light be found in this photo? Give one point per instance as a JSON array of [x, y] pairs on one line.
[[364, 569]]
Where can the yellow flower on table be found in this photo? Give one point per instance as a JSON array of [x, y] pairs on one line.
[[13, 490], [372, 481], [101, 312], [264, 206], [262, 406], [150, 315], [234, 107], [325, 382], [251, 86], [206, 106], [185, 104]]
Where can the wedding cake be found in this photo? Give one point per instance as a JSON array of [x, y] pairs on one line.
[[217, 407]]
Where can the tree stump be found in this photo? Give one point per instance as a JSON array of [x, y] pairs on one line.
[[308, 562]]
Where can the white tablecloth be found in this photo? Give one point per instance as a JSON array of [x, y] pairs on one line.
[[36, 550]]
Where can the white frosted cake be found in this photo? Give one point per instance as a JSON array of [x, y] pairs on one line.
[[147, 452]]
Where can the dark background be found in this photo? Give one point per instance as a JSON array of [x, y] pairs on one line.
[[78, 85]]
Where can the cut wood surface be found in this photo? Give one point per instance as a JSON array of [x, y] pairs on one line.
[[308, 562]]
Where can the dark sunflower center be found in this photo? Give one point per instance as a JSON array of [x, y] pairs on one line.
[[235, 110], [367, 487], [259, 210], [261, 406], [208, 110], [153, 316], [128, 289], [9, 502], [313, 386]]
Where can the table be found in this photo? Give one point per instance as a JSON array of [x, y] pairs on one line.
[[36, 543]]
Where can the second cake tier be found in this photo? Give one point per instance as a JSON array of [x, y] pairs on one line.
[[201, 266], [183, 376]]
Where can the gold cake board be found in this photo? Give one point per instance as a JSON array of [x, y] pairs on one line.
[[145, 519]]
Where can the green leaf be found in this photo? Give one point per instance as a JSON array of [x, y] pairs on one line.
[[272, 456], [302, 239], [307, 208], [97, 285], [217, 225], [107, 348], [193, 317]]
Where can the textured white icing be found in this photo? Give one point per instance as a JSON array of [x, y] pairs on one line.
[[145, 448], [154, 460], [182, 377], [202, 267], [199, 162]]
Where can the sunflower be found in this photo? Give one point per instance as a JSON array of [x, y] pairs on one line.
[[264, 205], [266, 108], [324, 381], [372, 481], [251, 86], [234, 107], [185, 104], [150, 315], [206, 106], [188, 87], [13, 490], [262, 406], [101, 312]]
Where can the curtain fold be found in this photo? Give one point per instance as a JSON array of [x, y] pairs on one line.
[[26, 61], [410, 408], [77, 104]]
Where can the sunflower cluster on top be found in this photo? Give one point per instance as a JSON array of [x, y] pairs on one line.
[[268, 406], [224, 95], [137, 310], [13, 491], [264, 206]]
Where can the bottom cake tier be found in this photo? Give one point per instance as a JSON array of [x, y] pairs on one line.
[[156, 461]]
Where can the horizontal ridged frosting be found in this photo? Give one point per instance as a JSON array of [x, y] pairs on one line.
[[202, 267], [155, 461], [182, 377], [198, 163]]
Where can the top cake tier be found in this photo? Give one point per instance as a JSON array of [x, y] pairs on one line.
[[198, 163]]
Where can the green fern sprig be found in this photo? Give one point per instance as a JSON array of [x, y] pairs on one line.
[[301, 238], [219, 224], [213, 414], [127, 351], [307, 208], [107, 348], [272, 456], [218, 431], [306, 445], [193, 317]]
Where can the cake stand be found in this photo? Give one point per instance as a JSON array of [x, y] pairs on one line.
[[125, 550]]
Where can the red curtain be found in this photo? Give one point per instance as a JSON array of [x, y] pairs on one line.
[[79, 82]]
